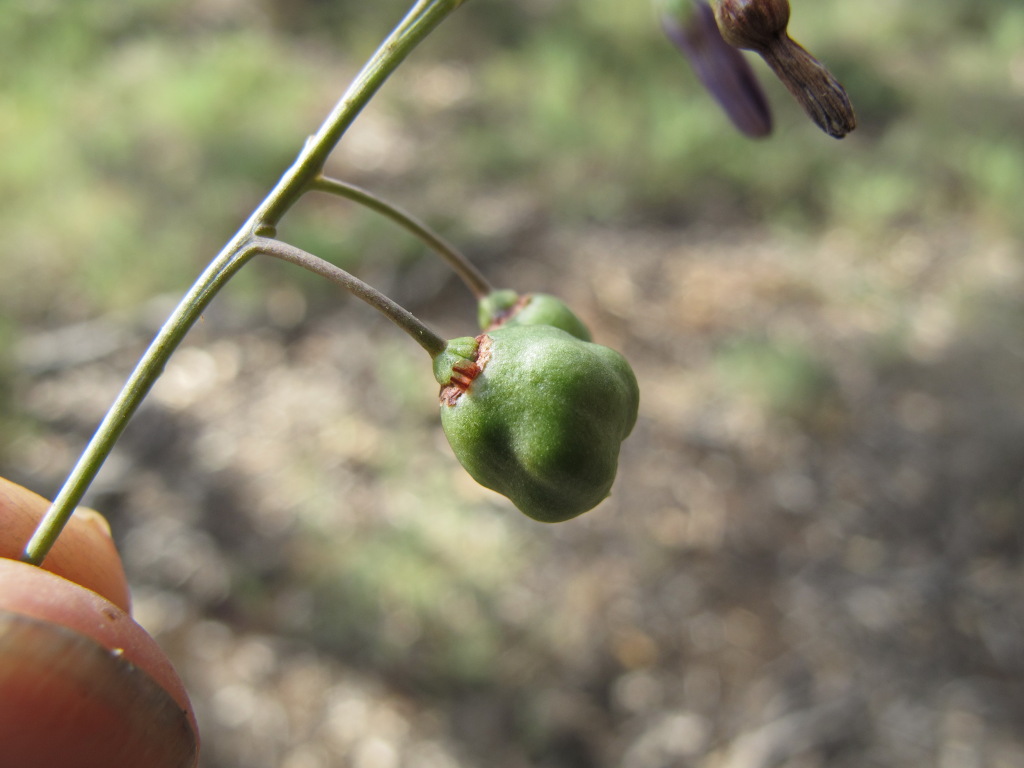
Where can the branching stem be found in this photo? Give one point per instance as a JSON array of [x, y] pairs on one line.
[[424, 16]]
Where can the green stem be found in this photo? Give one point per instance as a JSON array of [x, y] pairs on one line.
[[424, 16], [462, 266], [395, 312], [418, 23], [146, 372]]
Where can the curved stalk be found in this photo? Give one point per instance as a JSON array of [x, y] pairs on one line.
[[395, 312], [462, 266], [146, 372], [424, 16]]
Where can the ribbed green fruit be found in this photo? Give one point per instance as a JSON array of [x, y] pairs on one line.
[[537, 415], [504, 308]]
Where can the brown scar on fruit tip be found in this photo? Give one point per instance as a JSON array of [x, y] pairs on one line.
[[502, 317], [464, 372]]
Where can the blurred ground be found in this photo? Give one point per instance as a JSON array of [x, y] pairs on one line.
[[812, 555]]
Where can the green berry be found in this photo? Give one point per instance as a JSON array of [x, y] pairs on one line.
[[537, 415], [504, 308]]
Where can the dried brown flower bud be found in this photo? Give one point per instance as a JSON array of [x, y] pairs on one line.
[[761, 26], [752, 24]]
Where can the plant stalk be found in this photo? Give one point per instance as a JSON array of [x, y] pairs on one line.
[[394, 311], [422, 19], [462, 266]]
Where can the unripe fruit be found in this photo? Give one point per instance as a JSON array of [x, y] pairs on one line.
[[537, 415], [505, 308]]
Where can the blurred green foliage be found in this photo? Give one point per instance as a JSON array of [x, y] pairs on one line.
[[138, 137], [785, 379]]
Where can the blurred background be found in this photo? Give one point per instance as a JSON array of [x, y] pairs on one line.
[[812, 555]]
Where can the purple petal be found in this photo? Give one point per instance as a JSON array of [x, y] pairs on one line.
[[722, 69]]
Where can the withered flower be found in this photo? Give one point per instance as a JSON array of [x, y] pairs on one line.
[[761, 26]]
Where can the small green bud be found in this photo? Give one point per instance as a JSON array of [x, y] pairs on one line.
[[505, 308], [537, 415]]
